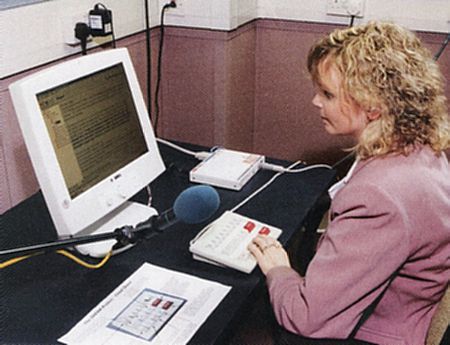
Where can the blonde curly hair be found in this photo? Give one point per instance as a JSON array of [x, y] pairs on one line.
[[385, 67]]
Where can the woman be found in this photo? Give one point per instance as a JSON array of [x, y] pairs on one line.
[[383, 264]]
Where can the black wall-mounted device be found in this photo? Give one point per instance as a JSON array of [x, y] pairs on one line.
[[100, 21]]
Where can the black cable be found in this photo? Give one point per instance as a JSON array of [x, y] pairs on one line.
[[438, 54], [159, 66], [352, 19], [113, 36], [343, 160], [149, 60]]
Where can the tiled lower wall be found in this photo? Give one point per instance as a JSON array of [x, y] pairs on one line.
[[246, 89]]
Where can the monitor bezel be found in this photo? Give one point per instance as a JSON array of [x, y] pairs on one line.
[[71, 216]]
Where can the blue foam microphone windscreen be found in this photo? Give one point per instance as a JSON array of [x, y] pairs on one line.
[[196, 204]]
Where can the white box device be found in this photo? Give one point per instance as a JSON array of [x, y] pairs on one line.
[[224, 242], [227, 168]]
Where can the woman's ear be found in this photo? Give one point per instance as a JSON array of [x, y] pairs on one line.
[[373, 113]]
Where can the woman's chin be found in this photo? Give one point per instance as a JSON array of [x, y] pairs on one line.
[[329, 129]]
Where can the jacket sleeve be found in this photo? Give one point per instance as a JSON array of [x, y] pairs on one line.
[[364, 245]]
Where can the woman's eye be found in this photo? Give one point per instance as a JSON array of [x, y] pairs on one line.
[[327, 94]]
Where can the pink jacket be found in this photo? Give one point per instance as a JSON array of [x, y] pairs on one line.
[[389, 232]]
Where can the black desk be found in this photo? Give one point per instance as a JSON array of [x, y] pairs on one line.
[[42, 298]]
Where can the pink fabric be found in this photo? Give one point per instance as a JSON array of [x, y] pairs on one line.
[[389, 229]]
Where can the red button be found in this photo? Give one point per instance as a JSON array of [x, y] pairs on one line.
[[156, 302], [264, 230], [249, 226], [167, 305]]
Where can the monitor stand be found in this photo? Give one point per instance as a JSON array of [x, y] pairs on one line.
[[129, 213]]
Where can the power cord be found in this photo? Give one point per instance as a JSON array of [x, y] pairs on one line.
[[201, 155], [264, 186], [149, 60], [159, 66], [352, 20], [65, 253], [441, 50], [351, 155], [282, 169]]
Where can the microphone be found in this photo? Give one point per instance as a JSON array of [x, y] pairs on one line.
[[194, 205]]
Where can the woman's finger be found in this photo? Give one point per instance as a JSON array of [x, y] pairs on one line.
[[255, 250]]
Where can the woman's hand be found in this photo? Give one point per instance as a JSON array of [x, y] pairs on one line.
[[268, 253]]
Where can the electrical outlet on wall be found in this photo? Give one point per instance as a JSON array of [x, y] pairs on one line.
[[173, 11], [346, 8]]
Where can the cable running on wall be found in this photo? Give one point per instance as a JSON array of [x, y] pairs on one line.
[[149, 59], [159, 65], [441, 50]]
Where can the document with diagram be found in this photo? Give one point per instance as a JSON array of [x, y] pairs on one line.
[[153, 306]]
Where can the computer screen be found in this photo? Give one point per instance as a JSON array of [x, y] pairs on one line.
[[90, 141], [94, 130]]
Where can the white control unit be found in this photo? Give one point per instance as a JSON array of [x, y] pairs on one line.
[[227, 169]]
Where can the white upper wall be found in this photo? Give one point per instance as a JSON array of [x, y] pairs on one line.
[[423, 15], [41, 37], [37, 33]]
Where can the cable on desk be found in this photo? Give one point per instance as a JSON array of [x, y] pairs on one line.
[[84, 263], [310, 167], [265, 185], [16, 260], [280, 170], [13, 261], [199, 155]]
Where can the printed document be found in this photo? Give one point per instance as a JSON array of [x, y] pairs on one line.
[[154, 306]]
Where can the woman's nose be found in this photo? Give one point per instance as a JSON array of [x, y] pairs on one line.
[[316, 101]]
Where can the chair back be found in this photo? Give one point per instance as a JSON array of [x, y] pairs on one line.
[[440, 321]]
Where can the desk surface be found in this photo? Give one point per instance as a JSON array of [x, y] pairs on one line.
[[42, 298]]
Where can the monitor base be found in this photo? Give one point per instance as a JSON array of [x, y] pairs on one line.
[[130, 213]]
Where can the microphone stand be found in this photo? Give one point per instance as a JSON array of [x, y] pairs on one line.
[[128, 234], [124, 235]]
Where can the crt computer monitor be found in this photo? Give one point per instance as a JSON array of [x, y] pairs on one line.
[[91, 143]]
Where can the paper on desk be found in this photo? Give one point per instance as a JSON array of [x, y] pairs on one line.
[[153, 306]]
